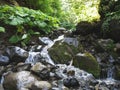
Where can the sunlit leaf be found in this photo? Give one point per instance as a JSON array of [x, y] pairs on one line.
[[37, 33], [2, 29], [24, 36]]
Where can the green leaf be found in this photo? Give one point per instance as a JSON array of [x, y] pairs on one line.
[[17, 21], [36, 33], [24, 36], [15, 39], [22, 14], [2, 29]]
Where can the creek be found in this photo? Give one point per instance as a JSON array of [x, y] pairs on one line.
[[60, 76]]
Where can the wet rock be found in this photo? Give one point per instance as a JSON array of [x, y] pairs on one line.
[[71, 82], [16, 54], [2, 70], [41, 70], [41, 85], [4, 60], [35, 48], [22, 67], [94, 83], [23, 79], [7, 82], [45, 74], [88, 63], [38, 67], [71, 41]]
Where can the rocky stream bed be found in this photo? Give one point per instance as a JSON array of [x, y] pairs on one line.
[[64, 62]]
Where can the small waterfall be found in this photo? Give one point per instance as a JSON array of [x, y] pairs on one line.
[[111, 68], [42, 53], [107, 67]]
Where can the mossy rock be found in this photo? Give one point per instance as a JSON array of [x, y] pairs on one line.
[[62, 52], [88, 63]]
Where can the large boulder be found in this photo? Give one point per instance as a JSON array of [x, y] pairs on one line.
[[16, 81], [63, 52], [84, 28], [87, 62]]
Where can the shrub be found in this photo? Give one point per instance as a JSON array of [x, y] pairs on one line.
[[26, 21]]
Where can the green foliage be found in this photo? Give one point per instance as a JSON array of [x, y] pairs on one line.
[[2, 29], [79, 10], [26, 21], [20, 16], [110, 46], [108, 6], [49, 7], [109, 17]]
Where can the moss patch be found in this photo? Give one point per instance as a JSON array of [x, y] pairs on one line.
[[88, 63], [61, 52]]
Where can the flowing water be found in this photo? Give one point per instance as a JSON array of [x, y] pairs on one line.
[[111, 68], [41, 55]]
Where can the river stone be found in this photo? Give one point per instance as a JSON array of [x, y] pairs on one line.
[[38, 67], [62, 52], [87, 62], [41, 70], [16, 54], [22, 67], [23, 79], [71, 82], [41, 85]]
